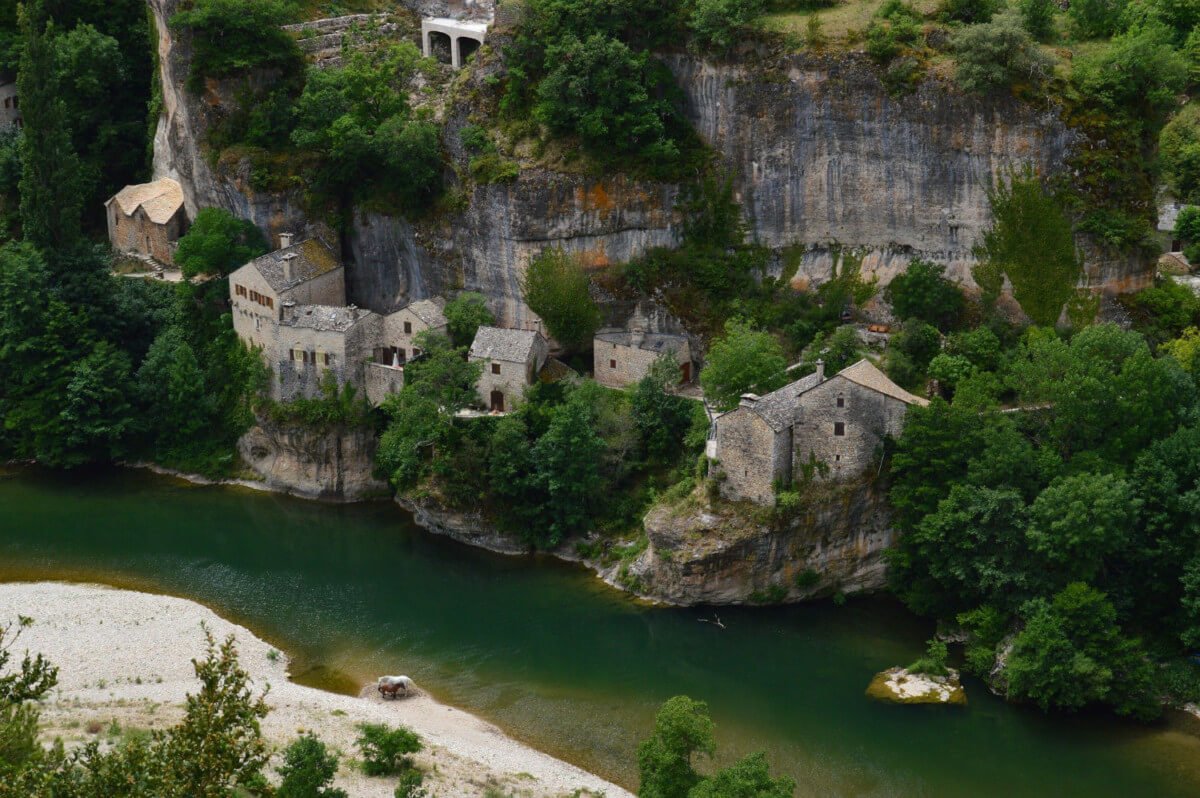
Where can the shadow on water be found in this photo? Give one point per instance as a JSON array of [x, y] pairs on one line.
[[558, 659]]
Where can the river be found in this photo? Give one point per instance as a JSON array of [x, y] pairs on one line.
[[560, 660]]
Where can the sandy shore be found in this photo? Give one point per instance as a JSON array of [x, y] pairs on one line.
[[125, 665]]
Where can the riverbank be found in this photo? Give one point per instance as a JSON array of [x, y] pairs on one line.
[[125, 665]]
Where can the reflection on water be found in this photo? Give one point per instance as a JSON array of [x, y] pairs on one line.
[[559, 660]]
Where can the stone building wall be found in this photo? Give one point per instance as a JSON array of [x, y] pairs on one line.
[[10, 108], [347, 353], [394, 334], [382, 382], [618, 365], [753, 456], [254, 322], [868, 416], [326, 289], [138, 235], [512, 378]]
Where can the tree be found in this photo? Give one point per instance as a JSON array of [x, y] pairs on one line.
[[18, 689], [716, 24], [1185, 350], [97, 413], [746, 778], [1096, 18], [1179, 155], [172, 387], [557, 289], [997, 55], [308, 769], [744, 360], [608, 95], [465, 314], [972, 12], [52, 187], [1137, 78], [1078, 521], [931, 456], [512, 475], [1032, 242], [1038, 18], [567, 459], [661, 417], [415, 425], [923, 292], [1071, 653], [218, 243], [838, 349], [385, 749], [230, 38], [682, 730], [442, 373]]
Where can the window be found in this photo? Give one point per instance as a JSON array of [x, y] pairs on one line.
[[407, 327], [841, 401], [328, 359], [292, 355], [612, 364], [495, 368], [839, 428]]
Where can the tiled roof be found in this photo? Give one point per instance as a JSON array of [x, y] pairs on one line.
[[651, 342], [325, 318], [778, 408], [864, 373], [430, 311], [313, 259], [161, 199], [511, 346]]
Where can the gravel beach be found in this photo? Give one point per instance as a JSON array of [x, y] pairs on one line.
[[125, 663]]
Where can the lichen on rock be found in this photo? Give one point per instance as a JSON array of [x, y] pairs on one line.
[[900, 686]]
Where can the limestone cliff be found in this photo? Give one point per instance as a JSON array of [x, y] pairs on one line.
[[735, 554], [334, 465], [824, 160]]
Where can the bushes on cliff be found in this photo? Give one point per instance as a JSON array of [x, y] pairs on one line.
[[997, 55], [718, 24], [923, 292], [559, 291], [1179, 153], [465, 314], [218, 243], [744, 360], [231, 38]]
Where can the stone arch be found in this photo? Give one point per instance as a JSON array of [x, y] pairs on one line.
[[440, 46], [467, 47]]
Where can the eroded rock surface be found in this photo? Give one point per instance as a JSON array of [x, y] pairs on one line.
[[334, 464]]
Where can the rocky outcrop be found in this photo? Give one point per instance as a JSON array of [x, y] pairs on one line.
[[901, 686], [735, 554], [334, 464], [471, 528]]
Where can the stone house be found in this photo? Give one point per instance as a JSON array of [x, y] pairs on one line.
[[147, 220], [308, 273], [397, 345], [10, 105], [838, 422], [313, 340], [621, 358], [511, 362]]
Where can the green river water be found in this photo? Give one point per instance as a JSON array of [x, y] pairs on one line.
[[558, 659]]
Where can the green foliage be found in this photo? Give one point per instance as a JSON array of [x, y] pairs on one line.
[[308, 769], [923, 292], [999, 54], [1187, 224], [1096, 18], [838, 349], [372, 146], [717, 24], [985, 627], [910, 351], [745, 360], [442, 372], [1163, 311], [337, 406], [972, 12], [934, 661], [385, 749], [682, 730], [568, 468], [662, 418], [1137, 78], [217, 243], [465, 314], [410, 785], [747, 778], [230, 38], [1030, 241], [1179, 156], [556, 288], [1185, 350], [1038, 18], [36, 676], [415, 424], [1079, 521], [1072, 653]]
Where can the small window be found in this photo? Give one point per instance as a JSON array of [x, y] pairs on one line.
[[839, 428], [407, 327], [292, 355], [612, 364], [328, 359], [495, 368], [841, 401]]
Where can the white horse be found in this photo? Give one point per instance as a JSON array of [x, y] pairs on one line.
[[391, 686]]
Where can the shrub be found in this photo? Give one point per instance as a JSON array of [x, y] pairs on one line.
[[1038, 18], [1096, 18], [923, 292], [998, 54], [410, 785], [934, 661], [717, 23], [557, 289], [465, 314], [217, 243], [307, 770], [1179, 153], [384, 749], [973, 12], [744, 360], [231, 37]]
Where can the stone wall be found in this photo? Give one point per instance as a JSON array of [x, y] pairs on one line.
[[10, 105], [618, 366], [137, 235], [511, 379], [752, 457], [344, 353], [382, 382], [867, 417]]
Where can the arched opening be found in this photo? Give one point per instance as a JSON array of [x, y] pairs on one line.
[[441, 47], [467, 48], [498, 401]]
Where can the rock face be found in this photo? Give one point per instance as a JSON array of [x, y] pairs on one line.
[[823, 159], [334, 465], [742, 553], [465, 527], [899, 686]]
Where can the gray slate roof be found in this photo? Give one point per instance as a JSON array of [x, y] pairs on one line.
[[326, 318], [778, 408], [313, 258], [511, 346], [651, 342], [429, 311]]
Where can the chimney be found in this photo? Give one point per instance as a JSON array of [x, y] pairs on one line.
[[289, 268], [748, 400], [288, 310], [285, 240], [820, 371]]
